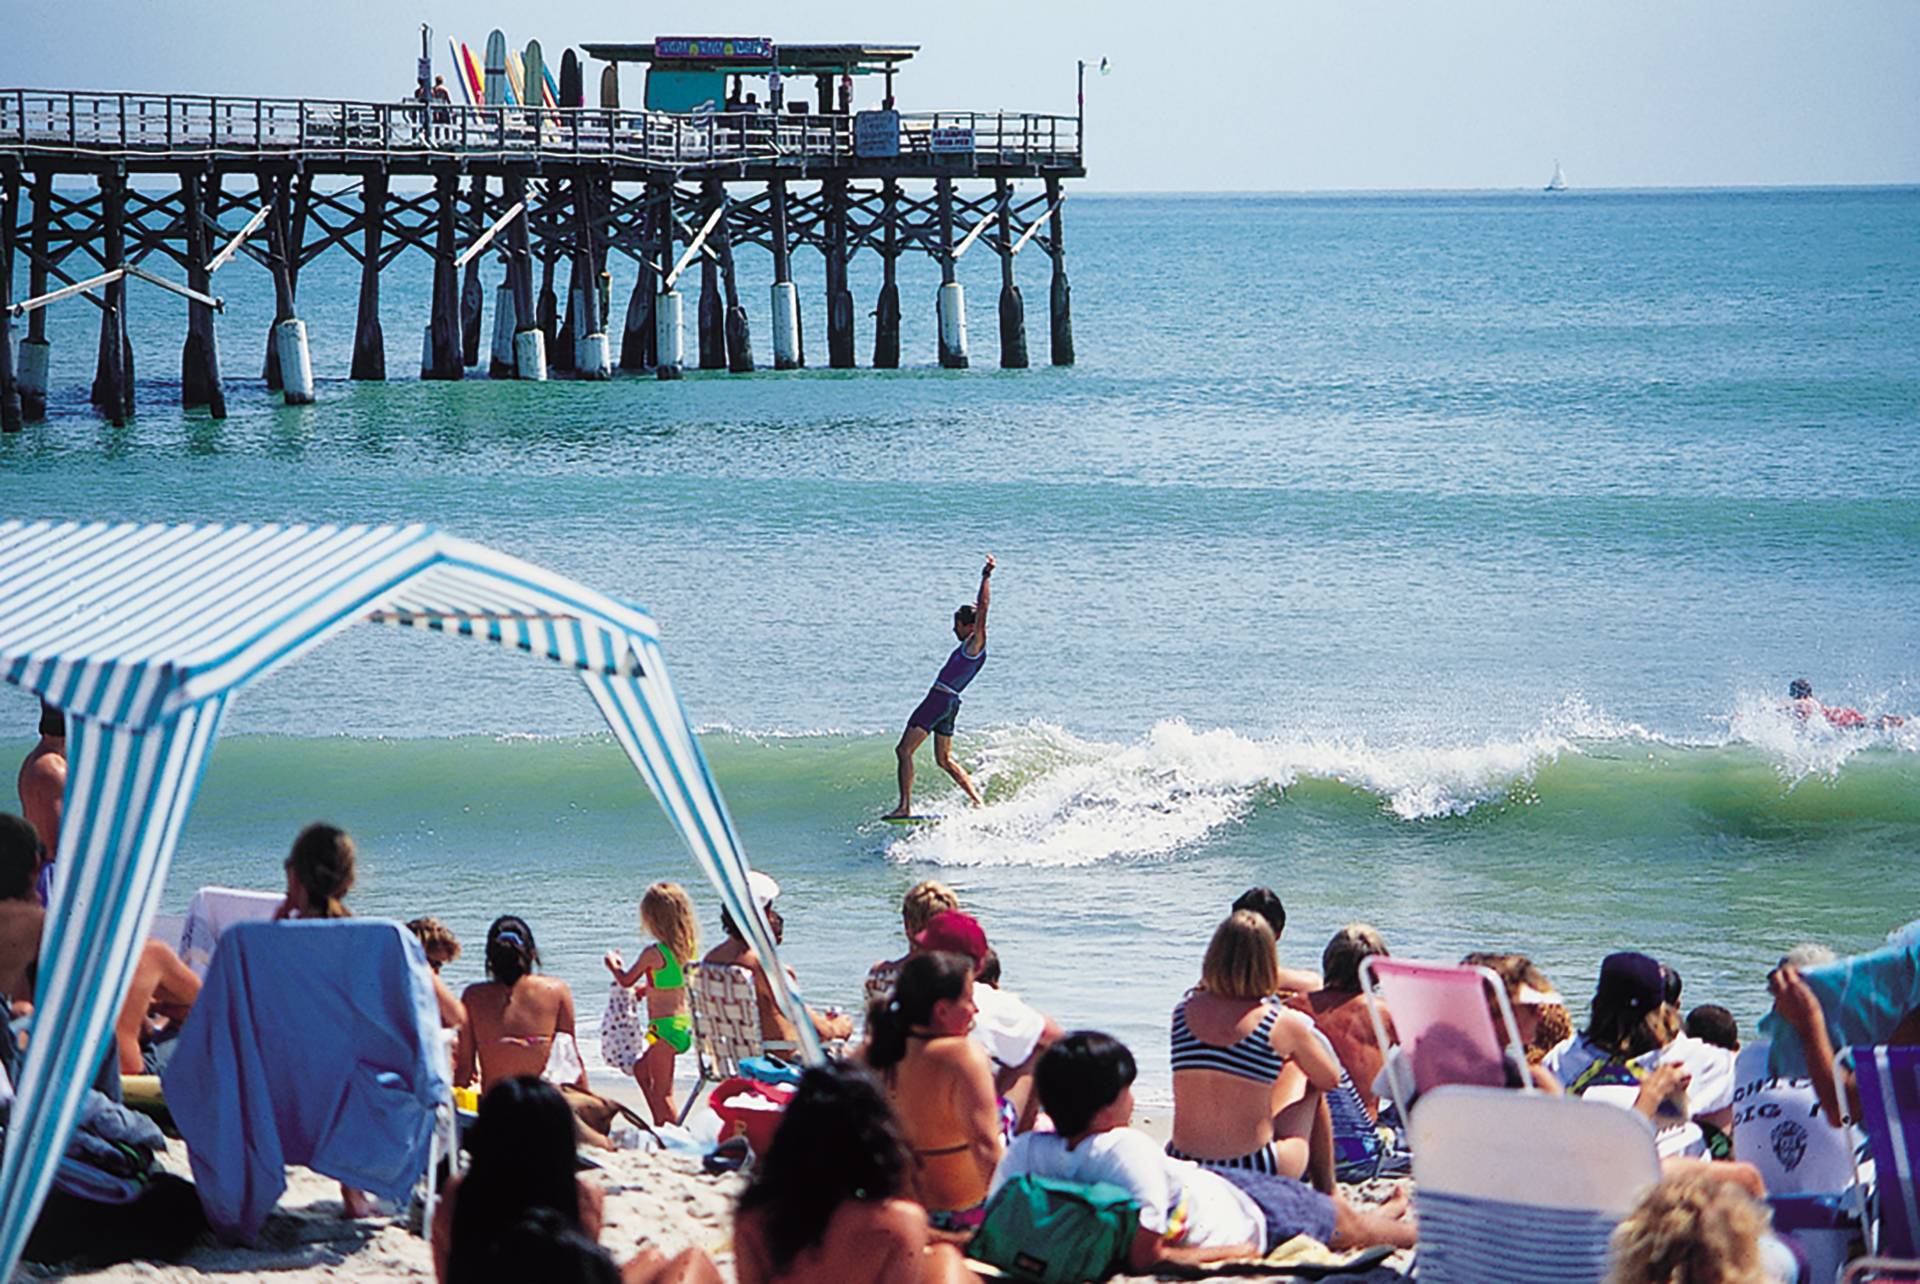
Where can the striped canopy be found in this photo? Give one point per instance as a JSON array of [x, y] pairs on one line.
[[143, 633]]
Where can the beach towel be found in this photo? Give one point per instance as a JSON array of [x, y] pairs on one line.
[[1863, 999], [313, 1043]]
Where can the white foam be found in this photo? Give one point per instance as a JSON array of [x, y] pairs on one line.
[[1059, 800]]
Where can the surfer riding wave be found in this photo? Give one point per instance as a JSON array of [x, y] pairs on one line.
[[1802, 704], [936, 714]]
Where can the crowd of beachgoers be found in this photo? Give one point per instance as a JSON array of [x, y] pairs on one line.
[[886, 1159], [1289, 1089]]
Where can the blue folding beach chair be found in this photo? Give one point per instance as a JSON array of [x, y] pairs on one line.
[[1889, 1081]]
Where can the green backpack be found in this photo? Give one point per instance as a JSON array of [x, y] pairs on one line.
[[1056, 1232]]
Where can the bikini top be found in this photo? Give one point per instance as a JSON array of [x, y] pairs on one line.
[[1252, 1057], [670, 975]]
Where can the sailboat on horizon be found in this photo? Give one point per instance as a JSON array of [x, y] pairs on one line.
[[1558, 183]]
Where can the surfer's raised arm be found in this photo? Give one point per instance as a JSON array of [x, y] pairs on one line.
[[978, 642]]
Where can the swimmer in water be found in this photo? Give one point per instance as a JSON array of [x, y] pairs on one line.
[[935, 714], [1801, 703]]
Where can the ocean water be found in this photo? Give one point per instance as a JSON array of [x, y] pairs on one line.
[[1439, 560]]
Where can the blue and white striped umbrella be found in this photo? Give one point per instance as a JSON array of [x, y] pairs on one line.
[[143, 633]]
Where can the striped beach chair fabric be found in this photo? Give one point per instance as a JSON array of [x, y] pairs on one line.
[[1889, 1081], [1521, 1188]]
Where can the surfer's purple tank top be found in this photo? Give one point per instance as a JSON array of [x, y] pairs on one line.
[[959, 669]]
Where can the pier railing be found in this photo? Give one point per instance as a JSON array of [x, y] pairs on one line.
[[188, 126]]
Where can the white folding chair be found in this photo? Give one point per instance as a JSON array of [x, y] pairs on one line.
[[1523, 1188]]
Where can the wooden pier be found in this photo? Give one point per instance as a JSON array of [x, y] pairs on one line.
[[100, 191]]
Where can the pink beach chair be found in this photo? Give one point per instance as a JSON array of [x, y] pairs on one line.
[[1523, 1188], [1444, 1031]]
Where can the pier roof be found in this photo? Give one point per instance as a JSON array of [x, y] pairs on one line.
[[851, 58]]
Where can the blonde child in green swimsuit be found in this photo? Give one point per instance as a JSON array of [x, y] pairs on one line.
[[660, 973]]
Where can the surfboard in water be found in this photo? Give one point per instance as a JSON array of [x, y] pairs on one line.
[[535, 67], [572, 92], [610, 86], [496, 76], [910, 820]]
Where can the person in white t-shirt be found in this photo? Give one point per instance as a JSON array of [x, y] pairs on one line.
[[1633, 1054], [1189, 1216], [1778, 1128]]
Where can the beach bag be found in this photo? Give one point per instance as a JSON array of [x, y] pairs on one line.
[[623, 1035], [1056, 1232]]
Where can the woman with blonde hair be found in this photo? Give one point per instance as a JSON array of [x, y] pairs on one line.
[[1248, 1074], [1692, 1230], [917, 908], [666, 914]]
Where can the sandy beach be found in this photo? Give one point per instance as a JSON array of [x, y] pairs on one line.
[[663, 1198]]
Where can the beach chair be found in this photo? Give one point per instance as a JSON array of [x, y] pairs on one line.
[[1889, 1080], [726, 1027], [1523, 1188], [1444, 1031], [211, 912], [315, 1043]]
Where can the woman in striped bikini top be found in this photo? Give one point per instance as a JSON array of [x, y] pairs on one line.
[[1247, 1073]]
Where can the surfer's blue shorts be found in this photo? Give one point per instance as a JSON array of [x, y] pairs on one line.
[[936, 713]]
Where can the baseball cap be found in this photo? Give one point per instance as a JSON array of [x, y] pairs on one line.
[[764, 889], [1633, 981], [954, 932]]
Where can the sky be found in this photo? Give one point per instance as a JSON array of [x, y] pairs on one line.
[[1235, 95]]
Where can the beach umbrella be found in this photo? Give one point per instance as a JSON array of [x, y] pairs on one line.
[[143, 633]]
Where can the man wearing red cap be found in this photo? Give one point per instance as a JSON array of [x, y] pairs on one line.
[[1010, 1030]]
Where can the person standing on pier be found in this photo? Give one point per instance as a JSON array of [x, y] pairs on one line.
[[935, 714]]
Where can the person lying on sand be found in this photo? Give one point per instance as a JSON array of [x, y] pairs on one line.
[[1189, 1216], [935, 715], [830, 1201]]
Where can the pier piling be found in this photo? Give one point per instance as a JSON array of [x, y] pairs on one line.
[[529, 345], [739, 331], [445, 359], [473, 295], [113, 370], [369, 343], [787, 353], [669, 356], [200, 354], [886, 311], [1060, 295], [9, 392], [712, 312], [1013, 308], [833, 194], [35, 353], [951, 313]]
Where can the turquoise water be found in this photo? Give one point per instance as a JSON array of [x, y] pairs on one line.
[[1438, 560]]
